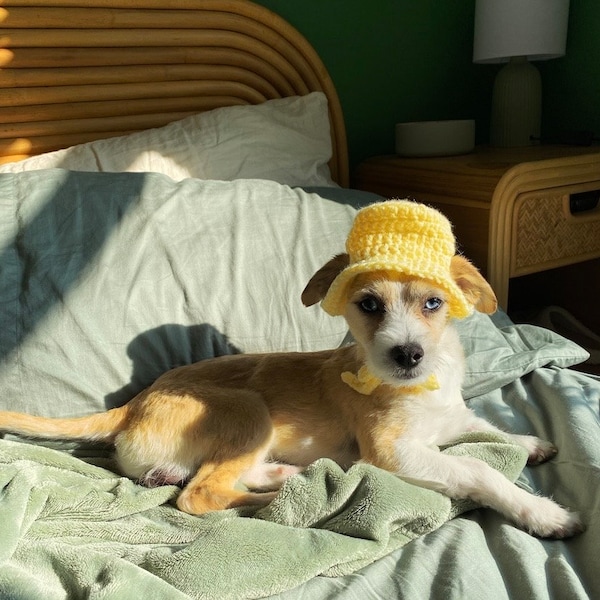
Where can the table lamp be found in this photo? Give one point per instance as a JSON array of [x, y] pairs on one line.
[[516, 32]]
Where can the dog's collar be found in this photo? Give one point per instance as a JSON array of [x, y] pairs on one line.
[[364, 382]]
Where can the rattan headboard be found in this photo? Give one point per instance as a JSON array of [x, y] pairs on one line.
[[73, 71]]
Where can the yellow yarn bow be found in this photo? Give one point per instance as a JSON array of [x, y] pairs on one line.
[[364, 382]]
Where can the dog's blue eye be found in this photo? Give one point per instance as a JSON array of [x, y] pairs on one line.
[[370, 304], [433, 304]]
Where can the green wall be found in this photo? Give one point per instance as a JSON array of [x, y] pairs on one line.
[[571, 85], [405, 60]]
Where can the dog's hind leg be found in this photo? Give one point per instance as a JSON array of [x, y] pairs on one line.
[[235, 434], [269, 475], [212, 488]]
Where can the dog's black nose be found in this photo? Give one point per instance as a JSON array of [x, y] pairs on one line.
[[408, 355]]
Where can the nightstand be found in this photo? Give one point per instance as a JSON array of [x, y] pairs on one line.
[[515, 212]]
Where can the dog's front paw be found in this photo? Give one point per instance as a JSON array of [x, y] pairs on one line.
[[551, 520], [539, 450]]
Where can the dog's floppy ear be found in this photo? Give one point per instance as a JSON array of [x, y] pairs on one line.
[[475, 288], [319, 283]]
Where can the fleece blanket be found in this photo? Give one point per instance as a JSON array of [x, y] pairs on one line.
[[75, 529]]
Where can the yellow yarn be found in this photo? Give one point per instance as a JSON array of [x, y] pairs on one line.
[[404, 238], [429, 385], [364, 382]]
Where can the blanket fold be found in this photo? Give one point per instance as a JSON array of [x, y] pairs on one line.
[[71, 528]]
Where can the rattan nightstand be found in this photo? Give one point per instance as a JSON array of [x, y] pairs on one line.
[[515, 211]]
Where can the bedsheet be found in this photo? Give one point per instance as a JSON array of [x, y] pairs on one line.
[[108, 280]]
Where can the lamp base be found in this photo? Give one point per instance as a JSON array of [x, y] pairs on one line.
[[516, 105]]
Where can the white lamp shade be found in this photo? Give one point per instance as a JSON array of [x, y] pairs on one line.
[[535, 29]]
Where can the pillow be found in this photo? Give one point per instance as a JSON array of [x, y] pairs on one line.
[[499, 355], [286, 140], [108, 280]]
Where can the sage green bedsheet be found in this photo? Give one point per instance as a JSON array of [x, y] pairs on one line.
[[106, 280]]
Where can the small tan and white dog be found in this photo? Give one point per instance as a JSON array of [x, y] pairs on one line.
[[390, 399]]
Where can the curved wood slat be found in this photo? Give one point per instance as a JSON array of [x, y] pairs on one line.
[[232, 32], [293, 65], [126, 18], [31, 96], [11, 124], [53, 52], [103, 124], [241, 7], [249, 39], [20, 78], [76, 58], [275, 48]]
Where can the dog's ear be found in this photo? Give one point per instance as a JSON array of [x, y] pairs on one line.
[[476, 289], [319, 283]]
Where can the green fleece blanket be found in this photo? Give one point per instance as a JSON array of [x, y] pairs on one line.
[[74, 529]]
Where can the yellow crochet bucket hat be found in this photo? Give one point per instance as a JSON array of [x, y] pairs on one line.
[[404, 238]]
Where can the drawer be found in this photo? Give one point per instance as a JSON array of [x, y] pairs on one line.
[[546, 233]]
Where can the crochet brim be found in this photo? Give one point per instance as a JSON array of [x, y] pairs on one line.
[[334, 302]]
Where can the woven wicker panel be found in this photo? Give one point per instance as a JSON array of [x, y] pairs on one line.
[[72, 71], [546, 236]]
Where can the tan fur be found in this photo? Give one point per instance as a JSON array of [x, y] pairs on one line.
[[477, 290], [257, 419], [322, 279]]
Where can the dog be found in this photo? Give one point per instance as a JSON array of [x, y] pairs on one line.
[[389, 399]]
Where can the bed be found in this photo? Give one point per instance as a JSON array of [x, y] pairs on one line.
[[170, 179]]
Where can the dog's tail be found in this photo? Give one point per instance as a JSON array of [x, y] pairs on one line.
[[97, 427]]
